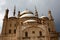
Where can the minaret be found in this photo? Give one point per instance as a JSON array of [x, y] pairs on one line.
[[18, 14], [52, 29], [14, 11], [6, 14], [5, 20], [36, 13], [50, 15], [51, 22]]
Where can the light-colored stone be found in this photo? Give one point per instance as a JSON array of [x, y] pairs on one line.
[[39, 29]]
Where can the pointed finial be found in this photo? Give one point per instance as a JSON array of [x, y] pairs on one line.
[[26, 9], [36, 13], [35, 8], [49, 10], [18, 14], [14, 11], [7, 9]]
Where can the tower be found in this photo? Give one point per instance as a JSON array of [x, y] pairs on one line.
[[14, 11], [50, 15], [52, 30], [6, 14], [5, 20], [51, 22]]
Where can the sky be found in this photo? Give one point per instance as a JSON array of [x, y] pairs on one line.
[[42, 6]]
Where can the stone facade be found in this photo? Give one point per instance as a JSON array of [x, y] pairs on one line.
[[27, 26]]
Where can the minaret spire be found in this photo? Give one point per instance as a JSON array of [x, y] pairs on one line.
[[14, 11], [36, 13]]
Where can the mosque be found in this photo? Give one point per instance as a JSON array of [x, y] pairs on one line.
[[27, 25]]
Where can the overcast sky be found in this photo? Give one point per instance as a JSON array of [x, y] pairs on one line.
[[42, 6]]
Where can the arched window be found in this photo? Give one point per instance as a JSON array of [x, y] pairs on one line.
[[33, 32], [9, 31], [15, 25], [21, 23], [49, 29], [26, 34], [14, 31], [40, 33]]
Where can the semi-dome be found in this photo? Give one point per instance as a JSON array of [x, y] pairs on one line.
[[26, 13], [28, 21]]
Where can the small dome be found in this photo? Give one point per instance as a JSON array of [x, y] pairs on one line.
[[29, 21], [44, 17]]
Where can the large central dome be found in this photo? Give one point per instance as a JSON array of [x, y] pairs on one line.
[[26, 13]]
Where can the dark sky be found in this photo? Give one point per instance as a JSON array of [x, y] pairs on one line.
[[42, 6]]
